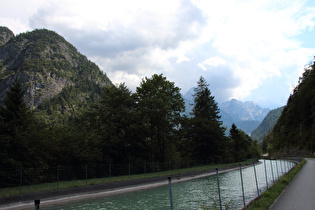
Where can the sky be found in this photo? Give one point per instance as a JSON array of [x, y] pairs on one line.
[[249, 50]]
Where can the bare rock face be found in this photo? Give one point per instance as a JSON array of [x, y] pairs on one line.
[[42, 87], [5, 35]]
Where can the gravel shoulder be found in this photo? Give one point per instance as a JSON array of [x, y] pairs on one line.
[[48, 198]]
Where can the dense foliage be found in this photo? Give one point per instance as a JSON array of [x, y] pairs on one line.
[[205, 133], [267, 124], [294, 131], [122, 127], [22, 138]]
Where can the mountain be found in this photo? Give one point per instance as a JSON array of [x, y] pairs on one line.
[[244, 111], [267, 124], [59, 81], [245, 115], [5, 35], [294, 132]]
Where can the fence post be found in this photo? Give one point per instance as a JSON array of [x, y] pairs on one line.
[[266, 173], [281, 167], [36, 204], [273, 178], [169, 166], [242, 184], [86, 174], [170, 189], [129, 171], [218, 188], [58, 177], [256, 179], [21, 178], [145, 167], [277, 169], [110, 172]]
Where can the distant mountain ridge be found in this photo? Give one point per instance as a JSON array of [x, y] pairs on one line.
[[267, 124], [245, 115], [244, 111]]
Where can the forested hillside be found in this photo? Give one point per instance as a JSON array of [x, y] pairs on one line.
[[267, 124], [59, 82], [294, 132]]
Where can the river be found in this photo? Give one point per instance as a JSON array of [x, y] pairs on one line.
[[201, 193]]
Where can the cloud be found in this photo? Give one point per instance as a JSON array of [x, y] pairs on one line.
[[252, 35], [238, 46], [139, 40], [212, 61]]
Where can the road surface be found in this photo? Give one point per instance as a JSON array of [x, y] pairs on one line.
[[300, 193]]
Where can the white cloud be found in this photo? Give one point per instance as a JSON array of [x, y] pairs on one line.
[[251, 35], [214, 61], [237, 45]]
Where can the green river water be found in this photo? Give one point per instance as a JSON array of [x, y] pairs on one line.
[[201, 193]]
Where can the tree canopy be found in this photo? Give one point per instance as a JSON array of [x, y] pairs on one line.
[[121, 127], [294, 131], [205, 131], [160, 104]]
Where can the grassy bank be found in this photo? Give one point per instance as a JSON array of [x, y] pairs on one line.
[[269, 196], [5, 192]]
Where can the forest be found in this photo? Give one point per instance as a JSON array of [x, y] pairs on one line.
[[293, 133], [92, 122], [122, 127]]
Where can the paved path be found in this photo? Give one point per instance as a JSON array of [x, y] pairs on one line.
[[300, 193]]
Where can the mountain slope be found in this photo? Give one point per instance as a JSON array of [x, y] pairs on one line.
[[245, 115], [295, 129], [57, 78], [243, 111], [267, 124], [5, 35]]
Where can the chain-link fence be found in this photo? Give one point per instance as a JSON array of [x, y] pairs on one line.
[[24, 179]]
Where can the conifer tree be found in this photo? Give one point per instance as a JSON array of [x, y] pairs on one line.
[[204, 103], [206, 133], [14, 114], [15, 118]]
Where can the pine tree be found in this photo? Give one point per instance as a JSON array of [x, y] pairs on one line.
[[15, 119], [14, 114], [206, 133], [204, 103]]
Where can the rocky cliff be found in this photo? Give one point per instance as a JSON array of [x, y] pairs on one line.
[[46, 64]]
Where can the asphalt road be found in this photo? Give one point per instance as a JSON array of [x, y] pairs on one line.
[[300, 193]]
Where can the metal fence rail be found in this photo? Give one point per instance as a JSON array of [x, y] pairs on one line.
[[22, 176], [26, 180]]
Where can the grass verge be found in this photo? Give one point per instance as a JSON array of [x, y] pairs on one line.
[[6, 192], [269, 196]]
